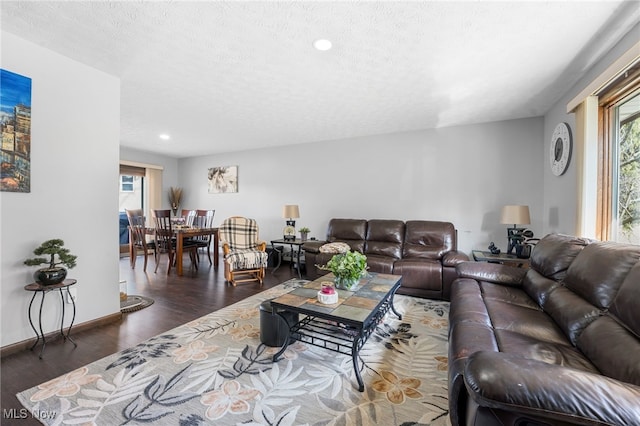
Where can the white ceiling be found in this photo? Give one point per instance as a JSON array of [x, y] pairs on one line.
[[227, 76]]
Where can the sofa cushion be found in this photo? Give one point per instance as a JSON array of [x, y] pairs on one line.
[[525, 320], [625, 306], [350, 231], [428, 239], [384, 238], [507, 294], [599, 270], [549, 351], [554, 253], [590, 285], [469, 304], [381, 264], [425, 274], [611, 341], [538, 287], [613, 349]]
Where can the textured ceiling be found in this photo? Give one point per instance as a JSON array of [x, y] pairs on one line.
[[227, 76]]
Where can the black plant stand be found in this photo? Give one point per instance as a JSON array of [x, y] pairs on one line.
[[43, 290]]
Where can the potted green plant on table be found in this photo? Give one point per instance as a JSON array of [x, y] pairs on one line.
[[304, 233], [347, 268], [58, 255]]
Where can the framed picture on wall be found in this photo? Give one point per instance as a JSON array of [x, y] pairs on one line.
[[223, 179], [15, 124]]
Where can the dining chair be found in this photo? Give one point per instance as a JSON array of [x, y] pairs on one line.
[[138, 240], [165, 241], [204, 219], [245, 256], [189, 216]]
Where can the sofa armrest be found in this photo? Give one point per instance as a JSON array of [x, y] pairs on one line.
[[511, 383], [313, 246], [453, 257], [491, 272]]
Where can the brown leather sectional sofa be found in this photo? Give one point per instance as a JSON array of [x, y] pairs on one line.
[[556, 344], [423, 252]]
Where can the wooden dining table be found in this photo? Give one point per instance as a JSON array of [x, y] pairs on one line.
[[180, 234]]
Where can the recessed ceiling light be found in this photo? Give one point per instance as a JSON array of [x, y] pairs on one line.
[[322, 44], [164, 137]]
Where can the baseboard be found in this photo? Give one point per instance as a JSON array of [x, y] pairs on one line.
[[52, 336]]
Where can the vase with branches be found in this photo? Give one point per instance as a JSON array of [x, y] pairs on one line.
[[175, 196]]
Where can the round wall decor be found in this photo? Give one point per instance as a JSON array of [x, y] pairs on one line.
[[560, 152]]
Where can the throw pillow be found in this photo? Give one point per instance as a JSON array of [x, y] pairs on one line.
[[335, 248]]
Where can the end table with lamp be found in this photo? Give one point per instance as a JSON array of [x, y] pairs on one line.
[[516, 215], [290, 212], [296, 254], [43, 290]]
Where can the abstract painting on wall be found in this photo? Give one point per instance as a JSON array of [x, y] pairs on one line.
[[15, 124], [223, 179]]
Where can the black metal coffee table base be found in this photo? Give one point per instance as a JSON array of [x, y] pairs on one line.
[[336, 334]]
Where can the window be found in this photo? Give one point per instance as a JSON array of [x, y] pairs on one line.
[[626, 170], [126, 183], [619, 169]]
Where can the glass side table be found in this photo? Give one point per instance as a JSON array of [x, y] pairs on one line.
[[506, 259], [295, 253], [43, 290]]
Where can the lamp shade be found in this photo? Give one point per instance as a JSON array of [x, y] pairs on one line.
[[517, 215], [290, 211]]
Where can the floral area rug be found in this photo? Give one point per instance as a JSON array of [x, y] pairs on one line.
[[215, 370]]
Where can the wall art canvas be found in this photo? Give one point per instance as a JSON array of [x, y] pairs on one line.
[[15, 124], [223, 179]]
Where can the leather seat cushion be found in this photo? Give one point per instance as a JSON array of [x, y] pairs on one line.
[[545, 350], [381, 264], [419, 273], [526, 321]]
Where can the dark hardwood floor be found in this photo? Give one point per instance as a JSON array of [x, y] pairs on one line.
[[177, 301]]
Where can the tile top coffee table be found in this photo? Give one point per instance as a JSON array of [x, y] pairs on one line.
[[344, 326]]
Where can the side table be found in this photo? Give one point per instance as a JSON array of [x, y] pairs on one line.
[[43, 290], [507, 259], [294, 253]]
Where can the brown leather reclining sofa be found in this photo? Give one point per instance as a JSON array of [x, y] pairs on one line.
[[556, 344], [423, 252]]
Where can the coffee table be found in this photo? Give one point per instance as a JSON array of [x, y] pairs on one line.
[[342, 327]]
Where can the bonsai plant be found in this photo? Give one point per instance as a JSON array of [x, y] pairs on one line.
[[304, 232], [58, 255], [348, 268]]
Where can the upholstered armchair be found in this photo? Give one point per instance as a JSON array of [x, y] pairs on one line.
[[245, 256]]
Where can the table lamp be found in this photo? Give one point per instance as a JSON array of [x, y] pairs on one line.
[[291, 212], [516, 215]]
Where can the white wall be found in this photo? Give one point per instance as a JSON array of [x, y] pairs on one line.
[[560, 193], [459, 174], [75, 126]]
